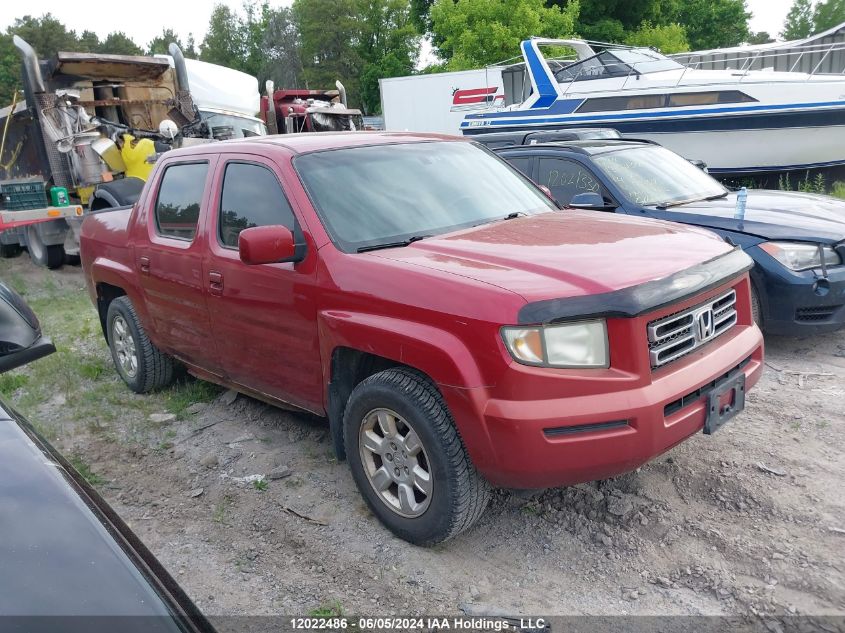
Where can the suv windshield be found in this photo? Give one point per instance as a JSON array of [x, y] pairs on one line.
[[367, 196], [654, 175]]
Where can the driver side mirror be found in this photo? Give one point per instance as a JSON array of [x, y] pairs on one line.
[[272, 244], [21, 341], [700, 164], [589, 200]]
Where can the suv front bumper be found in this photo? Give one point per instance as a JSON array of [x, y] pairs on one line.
[[549, 442]]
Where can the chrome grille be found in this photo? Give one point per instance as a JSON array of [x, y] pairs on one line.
[[678, 334]]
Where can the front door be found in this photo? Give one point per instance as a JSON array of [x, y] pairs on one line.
[[264, 316], [170, 263]]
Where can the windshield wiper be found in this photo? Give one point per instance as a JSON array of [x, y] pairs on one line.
[[515, 215], [397, 244], [662, 206]]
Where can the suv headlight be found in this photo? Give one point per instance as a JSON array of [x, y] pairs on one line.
[[581, 344], [801, 255]]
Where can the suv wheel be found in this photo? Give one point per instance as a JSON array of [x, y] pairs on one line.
[[408, 460], [140, 363]]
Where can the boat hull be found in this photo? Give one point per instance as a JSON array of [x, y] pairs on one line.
[[735, 143]]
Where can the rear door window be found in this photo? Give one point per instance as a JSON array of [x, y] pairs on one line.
[[566, 178], [180, 195], [252, 196]]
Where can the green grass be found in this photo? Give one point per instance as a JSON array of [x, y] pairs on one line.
[[80, 379], [84, 469], [9, 383], [838, 189], [332, 609], [183, 394], [260, 485]]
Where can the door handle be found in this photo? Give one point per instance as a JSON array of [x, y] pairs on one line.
[[144, 263], [215, 283]]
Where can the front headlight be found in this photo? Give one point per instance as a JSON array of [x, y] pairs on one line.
[[581, 344], [801, 255]]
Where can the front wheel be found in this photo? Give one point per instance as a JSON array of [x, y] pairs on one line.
[[141, 364], [408, 460]]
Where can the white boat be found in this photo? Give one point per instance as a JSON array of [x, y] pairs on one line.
[[738, 121]]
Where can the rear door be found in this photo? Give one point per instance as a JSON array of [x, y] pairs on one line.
[[264, 316], [170, 262]]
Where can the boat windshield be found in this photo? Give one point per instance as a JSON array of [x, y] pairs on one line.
[[654, 175], [617, 62]]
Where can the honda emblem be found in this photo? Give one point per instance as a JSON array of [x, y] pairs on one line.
[[705, 324]]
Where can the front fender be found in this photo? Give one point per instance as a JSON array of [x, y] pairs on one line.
[[441, 355]]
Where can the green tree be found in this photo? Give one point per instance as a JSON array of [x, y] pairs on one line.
[[711, 23], [88, 42], [760, 37], [388, 47], [473, 33], [281, 60], [118, 43], [668, 39], [799, 21], [828, 14], [421, 14], [45, 34], [223, 43], [160, 43], [330, 36]]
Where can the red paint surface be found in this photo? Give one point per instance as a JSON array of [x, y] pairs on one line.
[[438, 306]]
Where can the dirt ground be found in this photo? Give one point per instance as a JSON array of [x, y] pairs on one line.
[[750, 521]]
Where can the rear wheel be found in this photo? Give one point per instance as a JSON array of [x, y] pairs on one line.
[[9, 250], [141, 364], [51, 256], [408, 460]]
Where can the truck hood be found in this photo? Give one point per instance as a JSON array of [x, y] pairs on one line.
[[771, 215], [564, 254]]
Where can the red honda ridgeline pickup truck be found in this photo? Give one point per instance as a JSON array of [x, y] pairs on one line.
[[458, 330]]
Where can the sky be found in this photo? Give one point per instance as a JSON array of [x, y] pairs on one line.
[[191, 16]]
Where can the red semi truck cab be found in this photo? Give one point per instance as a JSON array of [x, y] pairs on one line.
[[457, 329]]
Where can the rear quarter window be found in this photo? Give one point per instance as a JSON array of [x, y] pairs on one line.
[[179, 199]]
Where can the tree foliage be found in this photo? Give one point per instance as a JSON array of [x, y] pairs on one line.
[[160, 43], [828, 14], [668, 39], [473, 33], [712, 23], [799, 21], [118, 43], [47, 35]]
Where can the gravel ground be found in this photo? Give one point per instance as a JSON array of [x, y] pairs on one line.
[[748, 522]]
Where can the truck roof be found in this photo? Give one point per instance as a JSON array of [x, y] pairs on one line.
[[318, 141]]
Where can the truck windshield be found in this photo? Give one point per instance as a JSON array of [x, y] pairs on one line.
[[386, 194], [657, 176], [226, 126]]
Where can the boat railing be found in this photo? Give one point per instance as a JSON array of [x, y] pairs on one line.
[[811, 59]]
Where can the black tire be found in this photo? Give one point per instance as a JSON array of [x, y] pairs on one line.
[[459, 494], [52, 256], [9, 250], [756, 312], [154, 369]]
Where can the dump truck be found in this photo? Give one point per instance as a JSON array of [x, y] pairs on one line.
[[86, 132], [295, 111]]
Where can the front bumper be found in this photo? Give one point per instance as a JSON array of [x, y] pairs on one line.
[[799, 303], [544, 431]]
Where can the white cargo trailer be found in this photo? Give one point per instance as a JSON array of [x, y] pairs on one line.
[[439, 102]]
